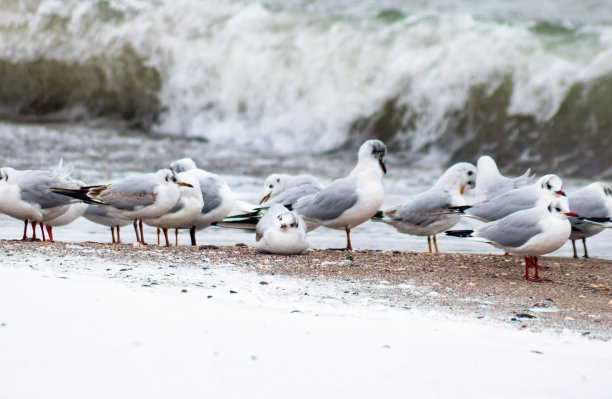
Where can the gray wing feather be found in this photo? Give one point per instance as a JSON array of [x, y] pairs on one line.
[[329, 203], [35, 189], [291, 195], [130, 193], [424, 209], [589, 206], [502, 206], [513, 230], [210, 192]]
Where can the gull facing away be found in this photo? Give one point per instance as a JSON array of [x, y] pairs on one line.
[[350, 201], [592, 201], [138, 197], [101, 216], [529, 233], [281, 231], [490, 183], [546, 188], [217, 195], [187, 207], [26, 195], [426, 214]]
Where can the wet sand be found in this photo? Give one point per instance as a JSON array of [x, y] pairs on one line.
[[483, 286]]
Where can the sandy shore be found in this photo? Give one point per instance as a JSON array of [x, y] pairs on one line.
[[485, 286]]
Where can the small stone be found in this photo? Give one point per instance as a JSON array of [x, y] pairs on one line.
[[525, 316], [263, 283], [537, 352], [183, 290], [233, 292], [209, 296], [296, 311]]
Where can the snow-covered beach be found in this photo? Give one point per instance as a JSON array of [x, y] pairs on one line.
[[80, 321]]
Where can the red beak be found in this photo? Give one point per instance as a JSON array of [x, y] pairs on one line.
[[572, 214], [560, 192], [383, 166], [265, 198]]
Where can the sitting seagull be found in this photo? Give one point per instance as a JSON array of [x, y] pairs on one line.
[[490, 183], [352, 200], [138, 197], [26, 195], [217, 195], [426, 214], [592, 201], [526, 197], [281, 231], [188, 207], [98, 215], [529, 233]]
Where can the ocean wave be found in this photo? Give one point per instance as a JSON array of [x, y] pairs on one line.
[[305, 79]]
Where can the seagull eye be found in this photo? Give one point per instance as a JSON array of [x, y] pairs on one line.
[[470, 182], [548, 186], [271, 186], [470, 173], [278, 180], [558, 209], [293, 224]]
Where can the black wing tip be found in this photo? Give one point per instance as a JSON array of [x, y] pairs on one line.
[[378, 215], [459, 209], [596, 219], [459, 233]]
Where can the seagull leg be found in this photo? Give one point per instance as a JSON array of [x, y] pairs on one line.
[[192, 235], [527, 266], [435, 241], [25, 230], [113, 234], [429, 243], [574, 248], [586, 254], [50, 232], [165, 230], [118, 237], [536, 277], [348, 238], [42, 230], [176, 237], [33, 230], [136, 230], [158, 236], [141, 233]]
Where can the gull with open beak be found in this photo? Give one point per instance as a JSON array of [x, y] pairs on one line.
[[426, 214]]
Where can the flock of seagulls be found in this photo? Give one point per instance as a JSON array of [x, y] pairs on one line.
[[523, 215]]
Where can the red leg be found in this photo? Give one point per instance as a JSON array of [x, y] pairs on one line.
[[348, 239], [141, 233], [118, 236], [25, 230], [42, 230], [165, 230], [33, 230], [136, 230], [113, 234], [176, 237], [536, 277], [158, 236], [50, 232]]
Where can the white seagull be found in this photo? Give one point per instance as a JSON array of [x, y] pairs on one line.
[[529, 233], [138, 197], [285, 189], [187, 207], [490, 183], [546, 188], [26, 195], [592, 201], [350, 201], [217, 195], [101, 216], [426, 214], [281, 231]]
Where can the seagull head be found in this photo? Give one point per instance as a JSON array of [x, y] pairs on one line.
[[559, 207], [182, 165], [551, 184], [461, 176], [274, 184], [374, 149], [287, 221]]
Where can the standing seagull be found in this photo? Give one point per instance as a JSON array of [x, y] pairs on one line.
[[529, 233], [592, 201], [546, 188], [286, 189], [350, 201], [426, 214], [26, 195], [281, 231], [136, 197], [101, 216], [217, 195], [490, 183]]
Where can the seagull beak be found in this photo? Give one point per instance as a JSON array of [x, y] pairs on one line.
[[560, 192], [283, 225], [265, 198], [183, 184], [461, 190], [572, 214], [383, 166]]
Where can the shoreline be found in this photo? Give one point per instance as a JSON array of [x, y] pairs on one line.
[[481, 286]]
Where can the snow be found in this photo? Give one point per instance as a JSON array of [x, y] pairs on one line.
[[86, 327]]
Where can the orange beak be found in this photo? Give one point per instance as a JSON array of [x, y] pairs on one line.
[[461, 190], [265, 198], [283, 225], [182, 184]]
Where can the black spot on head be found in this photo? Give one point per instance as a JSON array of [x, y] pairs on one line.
[[470, 173]]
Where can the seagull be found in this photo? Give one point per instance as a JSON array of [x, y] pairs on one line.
[[490, 183], [143, 196], [281, 231], [592, 201], [99, 215], [286, 189], [217, 195], [75, 210], [350, 201], [529, 232], [547, 187], [426, 214], [26, 195], [187, 207]]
